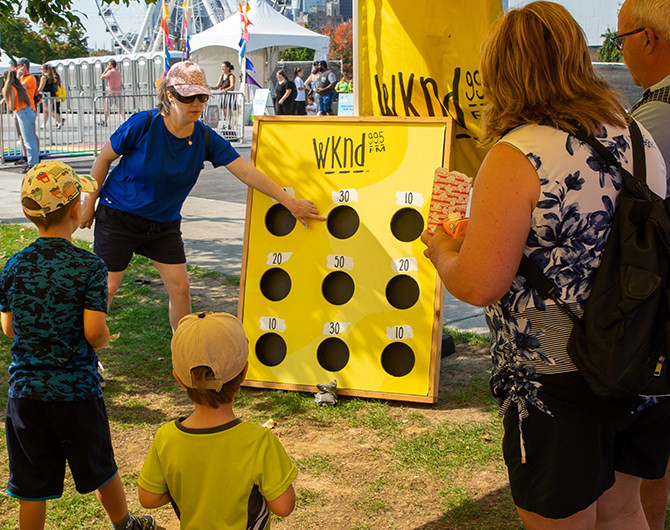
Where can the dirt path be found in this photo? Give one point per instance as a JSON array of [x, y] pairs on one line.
[[349, 478]]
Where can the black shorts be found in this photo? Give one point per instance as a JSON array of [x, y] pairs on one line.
[[570, 464], [118, 235], [43, 435]]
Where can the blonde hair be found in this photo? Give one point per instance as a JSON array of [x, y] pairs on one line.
[[163, 101], [654, 14], [536, 69]]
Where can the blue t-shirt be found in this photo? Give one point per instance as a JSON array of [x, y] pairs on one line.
[[157, 170], [46, 287]]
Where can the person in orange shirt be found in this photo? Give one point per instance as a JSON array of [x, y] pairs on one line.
[[30, 83], [19, 100]]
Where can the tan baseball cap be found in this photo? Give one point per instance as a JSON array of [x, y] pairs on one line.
[[215, 340], [52, 185]]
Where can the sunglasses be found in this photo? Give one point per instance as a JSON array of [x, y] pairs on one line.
[[616, 39], [202, 98]]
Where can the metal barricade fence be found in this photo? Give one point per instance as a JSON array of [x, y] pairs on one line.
[[224, 112], [81, 125]]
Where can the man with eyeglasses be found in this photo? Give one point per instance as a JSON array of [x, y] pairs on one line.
[[644, 40]]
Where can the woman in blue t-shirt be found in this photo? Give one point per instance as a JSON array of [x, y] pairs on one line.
[[162, 153]]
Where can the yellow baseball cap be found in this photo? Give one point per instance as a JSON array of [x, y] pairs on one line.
[[214, 340], [52, 185]]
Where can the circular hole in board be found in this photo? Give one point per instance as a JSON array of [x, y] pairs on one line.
[[343, 222], [333, 354], [279, 220], [407, 224], [398, 359], [270, 349], [402, 291], [338, 288], [275, 284]]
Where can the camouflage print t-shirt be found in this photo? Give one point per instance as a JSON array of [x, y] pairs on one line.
[[46, 287]]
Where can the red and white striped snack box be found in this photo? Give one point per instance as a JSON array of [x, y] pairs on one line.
[[451, 191]]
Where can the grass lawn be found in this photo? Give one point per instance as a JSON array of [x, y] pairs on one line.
[[364, 464]]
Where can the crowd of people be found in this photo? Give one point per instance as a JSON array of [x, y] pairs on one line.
[[574, 460], [312, 96]]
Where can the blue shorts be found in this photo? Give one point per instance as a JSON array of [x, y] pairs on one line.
[[325, 103], [43, 435]]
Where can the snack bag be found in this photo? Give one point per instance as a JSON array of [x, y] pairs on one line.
[[449, 199]]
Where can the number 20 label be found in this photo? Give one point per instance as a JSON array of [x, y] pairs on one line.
[[277, 258], [404, 265]]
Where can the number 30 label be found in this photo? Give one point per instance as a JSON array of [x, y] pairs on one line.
[[335, 328], [344, 196]]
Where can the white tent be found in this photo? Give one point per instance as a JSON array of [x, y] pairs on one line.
[[270, 32], [6, 64]]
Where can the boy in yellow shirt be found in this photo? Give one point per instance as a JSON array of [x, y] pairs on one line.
[[218, 471]]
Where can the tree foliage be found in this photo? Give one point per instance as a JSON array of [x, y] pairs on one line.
[[296, 54], [19, 39], [608, 53], [341, 44], [49, 12]]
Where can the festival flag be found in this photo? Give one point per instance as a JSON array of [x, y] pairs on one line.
[[187, 37], [250, 66], [251, 81], [167, 44], [423, 60]]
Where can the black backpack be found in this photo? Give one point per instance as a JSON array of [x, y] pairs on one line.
[[621, 344]]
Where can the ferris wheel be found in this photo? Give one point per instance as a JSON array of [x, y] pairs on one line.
[[136, 28]]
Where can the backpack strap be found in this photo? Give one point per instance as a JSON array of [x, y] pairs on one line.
[[147, 124], [637, 182], [529, 270]]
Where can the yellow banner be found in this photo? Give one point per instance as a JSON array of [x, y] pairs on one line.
[[421, 58]]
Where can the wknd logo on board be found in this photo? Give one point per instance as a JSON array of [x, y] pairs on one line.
[[340, 154]]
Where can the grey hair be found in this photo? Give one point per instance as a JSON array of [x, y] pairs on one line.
[[653, 14]]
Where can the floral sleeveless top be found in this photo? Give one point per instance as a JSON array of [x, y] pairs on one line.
[[569, 227]]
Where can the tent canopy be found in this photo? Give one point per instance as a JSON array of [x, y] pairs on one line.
[[6, 64], [268, 29], [269, 33]]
